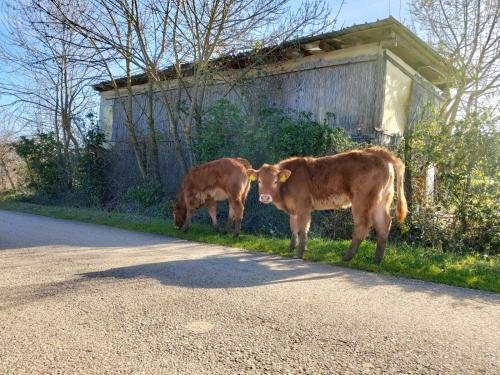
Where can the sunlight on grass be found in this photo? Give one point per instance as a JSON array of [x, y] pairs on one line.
[[470, 271]]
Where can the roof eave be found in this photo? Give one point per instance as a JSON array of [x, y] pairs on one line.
[[426, 58]]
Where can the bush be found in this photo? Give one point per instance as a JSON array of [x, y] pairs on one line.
[[464, 214], [46, 172], [90, 174], [300, 136], [77, 178], [268, 136], [145, 195], [221, 134]]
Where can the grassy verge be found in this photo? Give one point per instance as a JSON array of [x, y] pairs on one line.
[[471, 271]]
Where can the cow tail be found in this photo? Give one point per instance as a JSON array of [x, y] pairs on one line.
[[401, 207]]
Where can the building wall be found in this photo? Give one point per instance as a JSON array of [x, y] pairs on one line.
[[397, 90], [343, 88], [363, 89], [407, 95]]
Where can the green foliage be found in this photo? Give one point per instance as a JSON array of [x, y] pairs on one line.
[[466, 207], [90, 174], [145, 195], [268, 136], [301, 136], [44, 163], [221, 132], [77, 178]]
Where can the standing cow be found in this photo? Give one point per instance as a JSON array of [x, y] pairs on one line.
[[208, 183], [362, 179]]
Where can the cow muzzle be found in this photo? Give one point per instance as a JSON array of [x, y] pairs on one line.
[[265, 198]]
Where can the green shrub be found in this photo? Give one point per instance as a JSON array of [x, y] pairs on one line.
[[71, 177], [464, 214], [146, 195], [268, 136], [45, 168], [221, 133], [90, 174], [300, 136]]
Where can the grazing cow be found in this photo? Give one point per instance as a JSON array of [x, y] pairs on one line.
[[362, 179], [208, 183]]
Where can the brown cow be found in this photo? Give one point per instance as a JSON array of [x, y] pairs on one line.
[[362, 179], [208, 183]]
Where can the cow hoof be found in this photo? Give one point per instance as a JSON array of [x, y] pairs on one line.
[[298, 255]]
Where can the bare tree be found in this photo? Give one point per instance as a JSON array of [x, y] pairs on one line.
[[188, 37], [467, 34], [50, 76]]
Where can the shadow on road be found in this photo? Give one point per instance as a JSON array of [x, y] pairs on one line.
[[242, 270], [223, 271]]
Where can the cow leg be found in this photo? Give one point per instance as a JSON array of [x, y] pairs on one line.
[[244, 196], [237, 208], [187, 222], [361, 229], [212, 211], [382, 223], [294, 228], [303, 222], [230, 218]]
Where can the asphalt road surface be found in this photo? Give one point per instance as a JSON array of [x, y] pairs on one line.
[[80, 298]]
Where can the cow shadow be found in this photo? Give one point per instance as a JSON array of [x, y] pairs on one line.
[[233, 270], [243, 270]]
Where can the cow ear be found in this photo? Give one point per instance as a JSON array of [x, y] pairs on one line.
[[284, 174], [252, 174]]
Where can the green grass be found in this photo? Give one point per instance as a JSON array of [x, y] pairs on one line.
[[471, 271]]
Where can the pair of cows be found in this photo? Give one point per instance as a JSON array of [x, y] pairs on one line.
[[363, 179]]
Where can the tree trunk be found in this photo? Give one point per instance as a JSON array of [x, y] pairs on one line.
[[7, 173], [138, 152], [155, 161], [408, 170]]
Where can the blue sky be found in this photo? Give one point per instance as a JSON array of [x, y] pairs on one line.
[[361, 11]]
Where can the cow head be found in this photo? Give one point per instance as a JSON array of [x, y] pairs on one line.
[[179, 214], [270, 179]]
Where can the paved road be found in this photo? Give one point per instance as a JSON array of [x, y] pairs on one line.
[[80, 298]]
